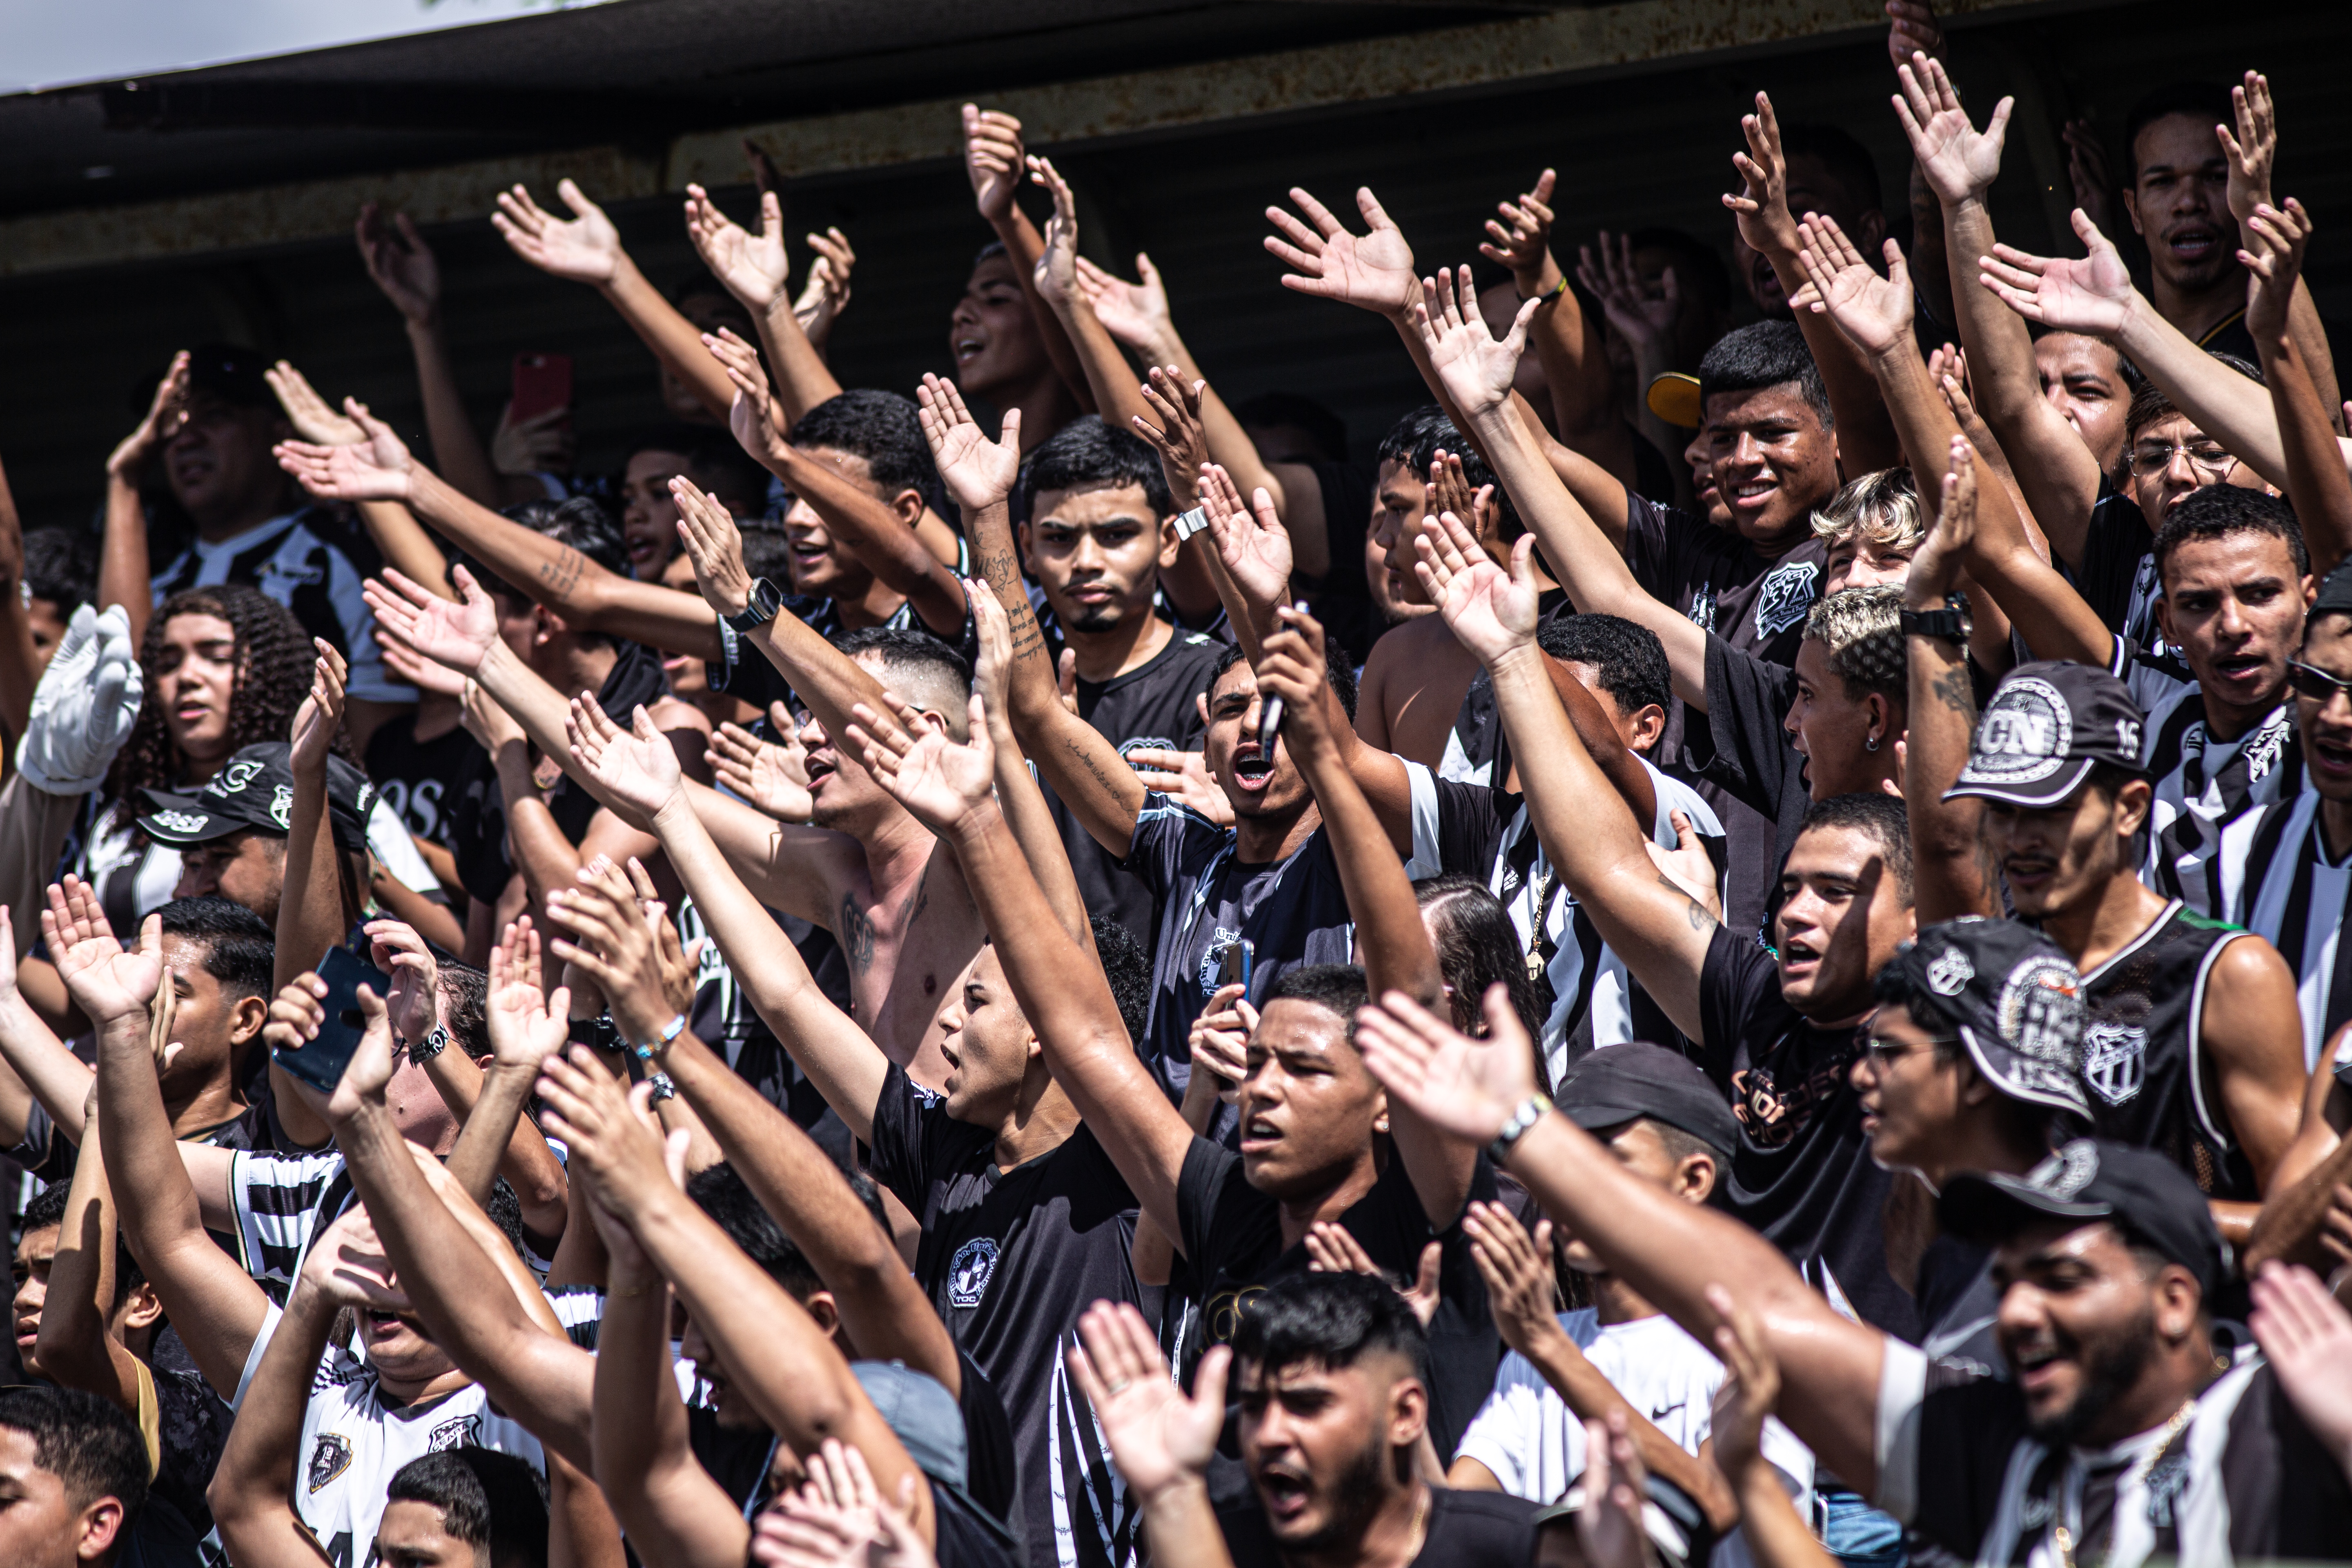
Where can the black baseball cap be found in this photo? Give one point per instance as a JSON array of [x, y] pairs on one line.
[[2334, 593], [2137, 1188], [2047, 725], [254, 789], [1618, 1083], [2018, 1000]]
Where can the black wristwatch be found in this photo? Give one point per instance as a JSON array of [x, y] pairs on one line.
[[1952, 621], [598, 1034], [766, 605]]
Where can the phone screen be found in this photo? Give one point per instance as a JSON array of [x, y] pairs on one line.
[[320, 1062]]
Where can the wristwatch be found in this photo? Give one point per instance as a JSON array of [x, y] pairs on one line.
[[1952, 621], [766, 605], [1189, 523], [431, 1045], [598, 1034], [1531, 1110]]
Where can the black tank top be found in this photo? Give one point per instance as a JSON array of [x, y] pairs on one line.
[[2143, 1059]]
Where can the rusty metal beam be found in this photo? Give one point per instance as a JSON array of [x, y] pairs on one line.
[[1558, 45]]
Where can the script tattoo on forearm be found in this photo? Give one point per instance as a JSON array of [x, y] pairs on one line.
[[561, 575]]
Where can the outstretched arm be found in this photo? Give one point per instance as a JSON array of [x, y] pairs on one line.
[[74, 1348], [997, 161], [1954, 873], [390, 526], [2252, 153], [40, 1066], [1054, 278], [752, 269], [2316, 480], [496, 1136], [404, 267], [124, 577]]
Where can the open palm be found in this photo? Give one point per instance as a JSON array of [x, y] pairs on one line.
[[977, 471], [750, 266], [1875, 312], [457, 633], [584, 248], [1487, 611], [1374, 271], [401, 264], [1958, 160], [1158, 1436], [1474, 366], [1251, 540], [2091, 294], [638, 766], [104, 979], [1136, 314], [934, 777], [1458, 1085]]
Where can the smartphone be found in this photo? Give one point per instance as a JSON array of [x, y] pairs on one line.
[[541, 383], [320, 1062], [1234, 963]]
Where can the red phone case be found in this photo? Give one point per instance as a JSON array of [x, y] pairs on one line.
[[541, 383]]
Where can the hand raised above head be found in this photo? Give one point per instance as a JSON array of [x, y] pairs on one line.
[[946, 785], [166, 410], [1251, 539], [584, 248], [1465, 1087], [2274, 262], [105, 982], [2252, 152], [455, 632], [1525, 246], [312, 416], [1159, 1438], [1135, 314], [1761, 210], [993, 158], [370, 1066], [347, 1265], [1872, 311], [1057, 274], [978, 472], [715, 546], [2092, 295], [1373, 271], [750, 267], [825, 292], [401, 264], [1476, 368], [1292, 666], [1181, 437], [1958, 161], [605, 1141], [1490, 612]]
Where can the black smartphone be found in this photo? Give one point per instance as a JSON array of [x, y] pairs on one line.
[[1234, 963], [320, 1062]]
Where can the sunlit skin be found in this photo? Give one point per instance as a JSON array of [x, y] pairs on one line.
[[1639, 1149], [1329, 1449], [736, 1413], [36, 1251], [821, 566], [2159, 492], [987, 1042], [2179, 203], [1857, 561], [1842, 916], [219, 466], [843, 795], [991, 335], [2081, 378], [413, 1534], [195, 677], [648, 510], [2101, 1347], [1833, 730], [2062, 856], [1773, 463], [1400, 497], [248, 866], [1498, 303], [1099, 553], [1640, 728], [213, 1030], [690, 679], [1308, 1109], [1272, 805], [39, 1526], [2326, 729], [2234, 605], [47, 620]]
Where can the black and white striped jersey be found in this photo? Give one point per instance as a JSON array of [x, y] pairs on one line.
[[2204, 784], [313, 565], [2273, 875]]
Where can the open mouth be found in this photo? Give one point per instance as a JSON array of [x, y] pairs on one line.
[[1286, 1496], [1258, 1132], [1252, 766], [1750, 495], [969, 348], [2193, 241], [1797, 960], [2241, 669], [2330, 756], [2031, 871], [820, 766]]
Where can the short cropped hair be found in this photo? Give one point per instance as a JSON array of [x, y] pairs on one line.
[[1766, 354], [240, 950], [1333, 1319], [1680, 1145], [1862, 629], [1337, 988], [1128, 968], [881, 427], [1881, 817], [1337, 669], [1626, 655], [2148, 403], [493, 1502], [927, 669], [2216, 511], [2205, 100], [767, 551], [719, 1192], [1882, 508], [1414, 441], [87, 1443], [1089, 455]]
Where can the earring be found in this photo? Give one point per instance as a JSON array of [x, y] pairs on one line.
[[1870, 742], [1381, 1125]]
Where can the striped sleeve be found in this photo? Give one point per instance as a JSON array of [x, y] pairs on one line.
[[276, 1198]]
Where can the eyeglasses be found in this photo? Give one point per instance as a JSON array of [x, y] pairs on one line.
[[1885, 1053], [2314, 683], [2152, 457]]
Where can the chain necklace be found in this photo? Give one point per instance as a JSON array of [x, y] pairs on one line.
[[2063, 1538]]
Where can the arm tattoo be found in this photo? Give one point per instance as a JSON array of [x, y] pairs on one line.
[[1954, 690], [1700, 920], [561, 575], [856, 935]]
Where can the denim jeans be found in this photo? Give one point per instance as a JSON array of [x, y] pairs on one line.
[[1856, 1533]]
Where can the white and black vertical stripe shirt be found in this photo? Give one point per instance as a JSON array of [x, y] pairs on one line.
[[2275, 874], [311, 574], [2203, 786]]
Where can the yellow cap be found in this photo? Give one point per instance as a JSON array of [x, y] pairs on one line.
[[1674, 397]]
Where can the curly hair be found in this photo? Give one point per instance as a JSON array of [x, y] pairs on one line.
[[1861, 629], [274, 659], [1881, 507]]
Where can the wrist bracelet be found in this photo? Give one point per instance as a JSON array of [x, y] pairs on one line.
[[1554, 292], [1192, 522], [432, 1044], [669, 1031], [1531, 1110]]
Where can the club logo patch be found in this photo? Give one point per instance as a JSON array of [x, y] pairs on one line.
[[2067, 1172], [465, 1432], [2023, 736], [234, 778], [2266, 746], [281, 808], [1786, 595], [189, 822], [1213, 957], [1950, 972], [2041, 1013], [1702, 609], [2115, 1060], [330, 1459], [973, 1268]]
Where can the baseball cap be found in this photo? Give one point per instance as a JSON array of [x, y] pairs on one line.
[[929, 1424], [1617, 1083], [2091, 1179], [1675, 398], [2018, 1000], [2334, 593], [2046, 726], [254, 789]]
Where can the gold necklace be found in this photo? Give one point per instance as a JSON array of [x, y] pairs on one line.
[[2063, 1539]]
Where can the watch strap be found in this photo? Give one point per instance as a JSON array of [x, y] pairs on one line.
[[1530, 1110], [1948, 622], [765, 604]]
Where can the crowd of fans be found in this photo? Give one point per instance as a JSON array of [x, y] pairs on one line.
[[1734, 956]]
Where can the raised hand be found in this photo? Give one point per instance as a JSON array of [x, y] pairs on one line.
[[2307, 1335], [85, 705], [1057, 273], [1448, 489], [401, 264], [1688, 866], [993, 158], [1875, 312], [1160, 1439], [942, 782], [715, 545], [105, 982], [1938, 566], [1761, 212], [347, 1267], [1915, 31], [750, 267], [1291, 666], [1251, 540], [637, 765], [1609, 1527], [1517, 1269], [526, 1024], [751, 418], [1184, 776], [2092, 295], [1476, 368], [1181, 437], [1489, 612], [2253, 150], [1332, 1249], [584, 248], [1640, 320], [1750, 1387], [1959, 162], [1135, 314], [371, 1064], [541, 444], [1219, 1039], [1373, 271], [605, 1139], [313, 417], [455, 632], [771, 776], [991, 672], [615, 949], [825, 292], [1458, 1085], [376, 468], [2272, 264], [978, 472], [415, 1004], [1525, 246], [166, 410], [321, 713]]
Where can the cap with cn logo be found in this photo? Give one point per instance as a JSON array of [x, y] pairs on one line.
[[2046, 727]]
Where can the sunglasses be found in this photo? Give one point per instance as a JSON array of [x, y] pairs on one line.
[[2315, 684]]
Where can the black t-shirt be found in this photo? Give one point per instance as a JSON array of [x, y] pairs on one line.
[[192, 1429], [1465, 1530], [1232, 1249], [1751, 763], [1152, 706], [1291, 912], [421, 779], [1802, 1174], [1958, 1303], [1011, 1257]]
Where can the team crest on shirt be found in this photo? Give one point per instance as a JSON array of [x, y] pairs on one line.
[[1702, 609], [465, 1432], [1134, 744], [2115, 1060], [234, 778], [1212, 958], [968, 1276], [2266, 745], [330, 1459], [281, 808], [1788, 591]]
